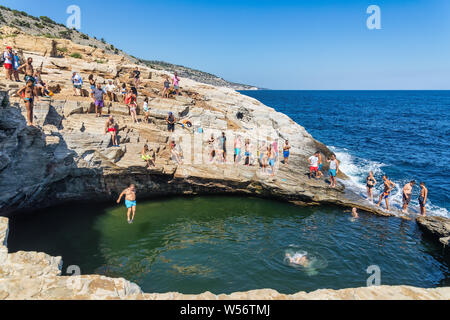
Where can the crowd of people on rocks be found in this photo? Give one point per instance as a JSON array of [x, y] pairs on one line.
[[264, 154]]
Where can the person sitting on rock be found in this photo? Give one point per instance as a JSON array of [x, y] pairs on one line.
[[123, 92], [28, 95], [148, 156], [111, 127], [110, 91], [174, 152], [41, 86]]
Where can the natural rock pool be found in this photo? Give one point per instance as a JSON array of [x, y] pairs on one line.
[[227, 244]]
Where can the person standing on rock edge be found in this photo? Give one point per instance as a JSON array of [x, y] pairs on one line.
[[388, 186], [406, 196], [165, 93], [423, 199], [110, 127], [319, 170], [28, 95], [286, 151], [77, 84], [313, 164], [98, 97], [8, 56], [333, 170], [170, 122], [29, 70], [176, 83], [370, 183], [237, 149], [130, 201], [223, 140]]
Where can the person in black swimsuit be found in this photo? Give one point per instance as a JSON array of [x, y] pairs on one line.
[[370, 183]]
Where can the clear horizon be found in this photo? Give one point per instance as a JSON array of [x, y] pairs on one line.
[[282, 45]]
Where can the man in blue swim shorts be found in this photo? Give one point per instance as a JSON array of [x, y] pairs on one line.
[[130, 201]]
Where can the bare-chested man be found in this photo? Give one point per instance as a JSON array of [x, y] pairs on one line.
[[28, 95], [388, 186], [110, 127], [407, 189], [423, 199], [29, 70], [130, 201]]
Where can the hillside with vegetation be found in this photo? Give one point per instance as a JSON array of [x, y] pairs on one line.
[[46, 27]]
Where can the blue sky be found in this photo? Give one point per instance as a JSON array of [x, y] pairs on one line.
[[316, 44]]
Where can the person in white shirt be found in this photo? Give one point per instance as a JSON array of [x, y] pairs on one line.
[[77, 83], [8, 57], [314, 164], [110, 88]]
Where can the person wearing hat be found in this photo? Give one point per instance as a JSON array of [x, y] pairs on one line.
[[8, 64]]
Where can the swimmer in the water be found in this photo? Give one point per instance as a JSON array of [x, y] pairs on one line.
[[300, 259], [355, 213]]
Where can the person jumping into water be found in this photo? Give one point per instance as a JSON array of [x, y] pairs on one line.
[[388, 186], [407, 189], [423, 199], [370, 183], [130, 201]]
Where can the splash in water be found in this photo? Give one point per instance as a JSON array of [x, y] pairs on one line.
[[308, 262]]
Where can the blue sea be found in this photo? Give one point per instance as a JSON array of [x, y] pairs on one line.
[[404, 134]]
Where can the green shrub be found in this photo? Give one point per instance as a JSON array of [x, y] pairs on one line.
[[65, 35], [40, 26], [50, 36], [47, 20], [63, 49], [76, 55], [21, 23], [85, 37]]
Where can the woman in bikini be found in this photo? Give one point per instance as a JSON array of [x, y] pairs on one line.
[[28, 95], [370, 183]]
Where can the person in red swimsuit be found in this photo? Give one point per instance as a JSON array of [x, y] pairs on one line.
[[8, 56], [111, 127]]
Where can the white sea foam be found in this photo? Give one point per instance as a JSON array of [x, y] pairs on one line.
[[357, 170]]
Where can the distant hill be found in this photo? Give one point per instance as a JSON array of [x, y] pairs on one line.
[[46, 27]]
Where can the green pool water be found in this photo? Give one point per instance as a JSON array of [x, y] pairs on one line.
[[227, 244]]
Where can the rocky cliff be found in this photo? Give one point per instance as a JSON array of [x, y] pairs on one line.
[[69, 157]]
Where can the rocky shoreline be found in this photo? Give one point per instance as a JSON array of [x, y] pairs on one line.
[[70, 158]]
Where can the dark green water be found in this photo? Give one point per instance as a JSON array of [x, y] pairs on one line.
[[223, 244]]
